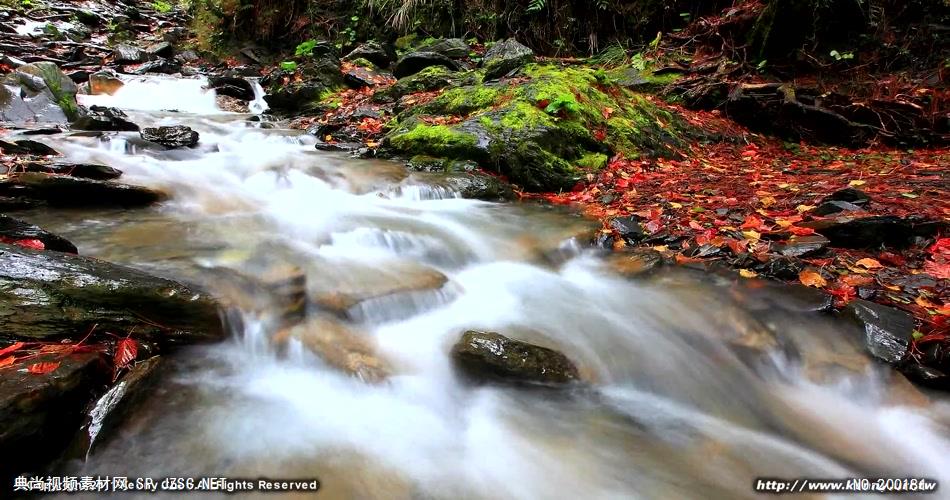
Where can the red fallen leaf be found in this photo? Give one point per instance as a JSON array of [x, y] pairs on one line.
[[810, 277], [844, 293], [607, 112], [7, 361], [31, 243], [892, 258], [600, 135], [800, 231], [10, 348], [937, 270], [941, 246], [125, 352], [43, 368], [752, 222]]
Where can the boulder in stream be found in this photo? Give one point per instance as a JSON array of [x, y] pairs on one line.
[[104, 82], [340, 346], [101, 118], [52, 295], [83, 170], [67, 191], [232, 86], [378, 54], [27, 147], [177, 136], [489, 356], [15, 230]]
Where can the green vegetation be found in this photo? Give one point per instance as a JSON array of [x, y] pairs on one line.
[[162, 7]]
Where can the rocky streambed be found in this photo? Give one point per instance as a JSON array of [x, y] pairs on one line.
[[187, 287]]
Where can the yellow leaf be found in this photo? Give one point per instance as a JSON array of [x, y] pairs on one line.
[[805, 208], [783, 223], [767, 201], [746, 273], [673, 204], [810, 277], [752, 235], [923, 302], [857, 183], [869, 263]]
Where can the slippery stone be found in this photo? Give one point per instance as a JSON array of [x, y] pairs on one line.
[[104, 82], [848, 195], [177, 136], [40, 412], [415, 62], [128, 54], [887, 331], [489, 356], [865, 232], [834, 207], [628, 228], [83, 170], [27, 147], [12, 230], [319, 76], [802, 246], [505, 57], [341, 347], [101, 118], [160, 49], [634, 262], [238, 88], [52, 295], [476, 186], [67, 191]]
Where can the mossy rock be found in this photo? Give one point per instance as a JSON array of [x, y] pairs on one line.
[[544, 134], [429, 79]]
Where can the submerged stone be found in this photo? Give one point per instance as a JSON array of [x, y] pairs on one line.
[[12, 230]]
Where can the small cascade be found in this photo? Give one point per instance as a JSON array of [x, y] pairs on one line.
[[258, 105]]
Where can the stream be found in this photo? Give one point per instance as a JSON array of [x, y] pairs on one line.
[[697, 384]]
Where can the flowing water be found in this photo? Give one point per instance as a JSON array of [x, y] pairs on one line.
[[696, 383]]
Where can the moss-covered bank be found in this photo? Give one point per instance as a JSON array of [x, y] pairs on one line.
[[542, 130]]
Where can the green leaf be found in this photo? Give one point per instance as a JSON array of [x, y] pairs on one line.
[[288, 66]]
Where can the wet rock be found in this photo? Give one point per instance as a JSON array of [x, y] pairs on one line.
[[456, 48], [84, 170], [104, 82], [802, 246], [926, 376], [27, 147], [374, 52], [38, 92], [887, 331], [52, 295], [317, 77], [341, 347], [489, 356], [101, 118], [505, 57], [238, 88], [163, 66], [475, 186], [113, 406], [424, 163], [628, 228], [634, 262], [128, 54], [177, 136], [67, 191], [865, 232], [848, 195], [186, 56], [12, 230], [230, 104], [415, 62], [834, 207], [39, 413], [784, 268], [160, 49], [359, 77]]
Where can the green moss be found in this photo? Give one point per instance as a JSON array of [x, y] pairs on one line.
[[594, 161], [363, 62], [520, 115], [462, 101], [439, 140]]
